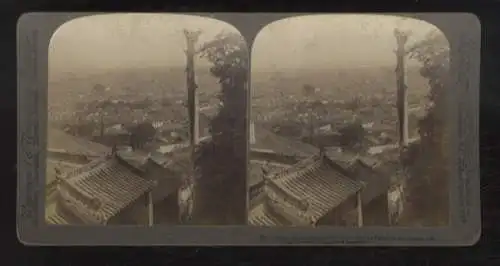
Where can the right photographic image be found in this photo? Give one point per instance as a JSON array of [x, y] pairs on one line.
[[349, 123]]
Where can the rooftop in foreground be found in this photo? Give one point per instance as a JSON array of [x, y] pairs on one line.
[[99, 190], [309, 190]]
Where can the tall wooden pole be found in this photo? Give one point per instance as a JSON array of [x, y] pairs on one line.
[[402, 92], [193, 109], [191, 40], [402, 95]]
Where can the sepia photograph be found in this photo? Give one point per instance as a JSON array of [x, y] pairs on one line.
[[349, 123], [144, 113], [248, 129]]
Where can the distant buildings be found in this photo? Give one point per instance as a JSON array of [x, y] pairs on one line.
[[117, 134], [289, 182]]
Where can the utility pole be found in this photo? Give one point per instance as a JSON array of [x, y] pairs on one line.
[[402, 90]]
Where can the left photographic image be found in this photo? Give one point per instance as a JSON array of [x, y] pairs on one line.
[[144, 113]]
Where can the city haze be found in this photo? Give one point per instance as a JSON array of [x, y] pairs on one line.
[[124, 41], [332, 41]]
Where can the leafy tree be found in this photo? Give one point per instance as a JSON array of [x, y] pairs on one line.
[[220, 186], [428, 160], [352, 136], [141, 134]]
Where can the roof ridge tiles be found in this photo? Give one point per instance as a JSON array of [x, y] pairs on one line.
[[88, 167]]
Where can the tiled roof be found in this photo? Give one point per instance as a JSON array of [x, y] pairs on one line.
[[56, 215], [342, 158], [180, 160], [316, 182], [255, 192], [61, 165], [158, 158], [102, 188], [135, 158], [176, 167], [368, 170], [267, 140], [260, 215], [56, 218], [376, 182], [256, 171], [62, 141]]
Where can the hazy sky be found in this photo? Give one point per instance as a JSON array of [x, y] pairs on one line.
[[126, 40], [332, 41], [135, 40]]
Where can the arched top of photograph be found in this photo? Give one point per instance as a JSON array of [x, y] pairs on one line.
[[110, 41], [340, 40]]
